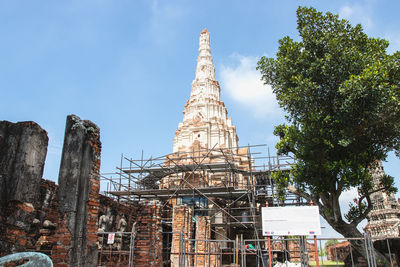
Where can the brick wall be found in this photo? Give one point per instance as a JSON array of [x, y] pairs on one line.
[[15, 229], [47, 232]]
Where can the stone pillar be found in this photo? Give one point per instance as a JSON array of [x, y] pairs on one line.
[[78, 195], [23, 148], [182, 227]]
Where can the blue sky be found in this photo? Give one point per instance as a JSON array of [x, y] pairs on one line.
[[128, 65]]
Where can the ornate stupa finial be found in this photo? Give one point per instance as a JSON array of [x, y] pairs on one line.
[[205, 68]]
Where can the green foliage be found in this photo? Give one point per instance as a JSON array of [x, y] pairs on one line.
[[388, 180], [281, 180], [341, 91], [356, 209]]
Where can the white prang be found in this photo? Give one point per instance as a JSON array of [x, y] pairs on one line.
[[384, 218], [205, 121]]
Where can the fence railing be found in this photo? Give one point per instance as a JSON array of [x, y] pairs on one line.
[[117, 249], [293, 251]]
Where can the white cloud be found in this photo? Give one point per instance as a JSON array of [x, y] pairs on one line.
[[242, 83], [357, 13]]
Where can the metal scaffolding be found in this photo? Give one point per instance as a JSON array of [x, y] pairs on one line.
[[232, 184]]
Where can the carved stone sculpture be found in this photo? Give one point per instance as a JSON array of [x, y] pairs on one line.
[[122, 224], [119, 237], [105, 221]]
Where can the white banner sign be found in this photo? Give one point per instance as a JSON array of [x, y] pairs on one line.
[[110, 239], [303, 220]]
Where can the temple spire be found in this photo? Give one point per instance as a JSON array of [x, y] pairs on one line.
[[205, 121], [205, 68]]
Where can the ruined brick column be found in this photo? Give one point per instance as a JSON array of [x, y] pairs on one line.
[[182, 226], [206, 250], [214, 250], [203, 232], [23, 149], [78, 195], [148, 241]]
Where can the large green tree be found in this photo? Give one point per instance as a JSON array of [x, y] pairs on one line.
[[341, 92]]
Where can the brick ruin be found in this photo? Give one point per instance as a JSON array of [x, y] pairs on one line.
[[72, 222], [62, 220]]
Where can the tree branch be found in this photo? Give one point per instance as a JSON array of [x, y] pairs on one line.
[[297, 192], [362, 216]]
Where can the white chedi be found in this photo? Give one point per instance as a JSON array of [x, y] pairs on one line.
[[205, 119]]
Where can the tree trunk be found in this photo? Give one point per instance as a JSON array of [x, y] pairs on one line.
[[330, 211], [349, 231]]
